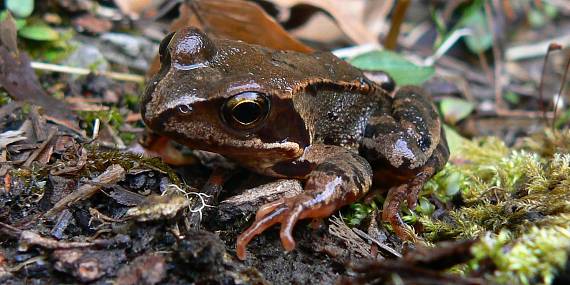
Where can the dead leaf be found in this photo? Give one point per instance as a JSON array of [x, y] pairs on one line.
[[234, 19], [350, 25], [91, 24], [19, 80], [134, 8], [8, 33], [238, 20], [10, 137], [421, 266], [145, 269]]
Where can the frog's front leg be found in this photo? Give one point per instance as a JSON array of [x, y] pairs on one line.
[[339, 177], [410, 189]]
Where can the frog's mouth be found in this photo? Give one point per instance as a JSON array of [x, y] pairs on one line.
[[201, 129]]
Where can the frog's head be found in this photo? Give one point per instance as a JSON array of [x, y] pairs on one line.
[[227, 97]]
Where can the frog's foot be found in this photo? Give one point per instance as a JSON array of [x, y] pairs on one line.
[[339, 178], [391, 211], [287, 212], [408, 192]]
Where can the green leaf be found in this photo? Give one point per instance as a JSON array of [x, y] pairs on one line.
[[38, 33], [20, 8], [476, 20], [453, 184], [454, 140], [454, 110], [19, 22], [402, 70], [512, 97], [425, 207], [536, 18], [550, 10]]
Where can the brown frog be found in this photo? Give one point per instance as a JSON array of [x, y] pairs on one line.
[[288, 114]]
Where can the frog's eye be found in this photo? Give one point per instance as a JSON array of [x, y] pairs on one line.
[[245, 110]]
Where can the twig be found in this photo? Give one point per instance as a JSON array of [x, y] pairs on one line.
[[28, 238], [397, 19], [497, 82], [25, 263], [562, 85], [381, 245], [339, 229], [84, 71], [96, 126], [485, 66], [551, 47], [34, 155], [112, 175], [509, 10], [350, 52], [10, 230], [447, 44], [534, 50]]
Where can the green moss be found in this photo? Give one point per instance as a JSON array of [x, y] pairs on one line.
[[113, 117], [515, 200], [98, 161], [4, 98], [533, 257], [357, 212]]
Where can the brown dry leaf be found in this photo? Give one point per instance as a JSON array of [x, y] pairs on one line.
[[8, 36], [238, 20], [350, 25], [19, 80], [134, 8], [91, 24], [234, 19]]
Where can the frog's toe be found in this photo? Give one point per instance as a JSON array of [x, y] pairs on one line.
[[287, 212], [268, 208], [391, 211], [412, 197], [289, 221], [261, 223]]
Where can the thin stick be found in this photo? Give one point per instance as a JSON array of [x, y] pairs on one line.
[[497, 82], [562, 85], [112, 175], [533, 50], [397, 19], [551, 47], [84, 71]]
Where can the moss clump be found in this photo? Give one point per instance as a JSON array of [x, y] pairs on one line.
[[100, 160], [517, 201]]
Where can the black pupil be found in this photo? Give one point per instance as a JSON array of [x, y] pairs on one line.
[[246, 112]]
